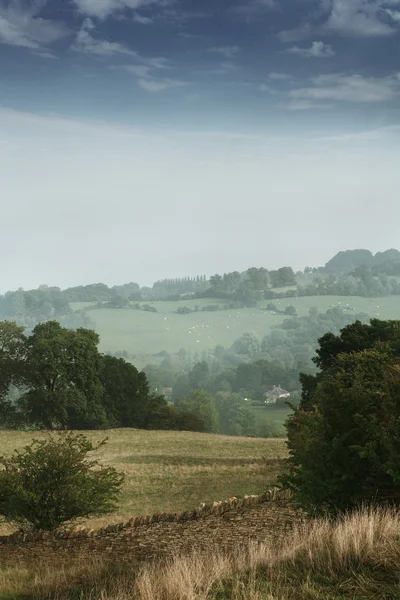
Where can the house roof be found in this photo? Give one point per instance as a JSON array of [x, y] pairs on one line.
[[276, 392]]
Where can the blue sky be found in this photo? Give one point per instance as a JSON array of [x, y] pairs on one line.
[[250, 85], [239, 63]]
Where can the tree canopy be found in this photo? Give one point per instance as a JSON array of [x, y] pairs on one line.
[[344, 437]]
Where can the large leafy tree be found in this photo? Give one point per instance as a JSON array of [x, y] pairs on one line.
[[201, 404], [12, 357], [234, 415], [125, 393], [344, 439], [63, 373]]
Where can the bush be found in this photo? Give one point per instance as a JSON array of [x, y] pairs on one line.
[[51, 482]]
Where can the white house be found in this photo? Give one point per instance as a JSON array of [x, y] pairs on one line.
[[271, 396]]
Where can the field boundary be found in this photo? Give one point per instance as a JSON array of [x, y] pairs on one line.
[[215, 509]]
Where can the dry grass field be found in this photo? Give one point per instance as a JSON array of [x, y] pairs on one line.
[[356, 558], [175, 471]]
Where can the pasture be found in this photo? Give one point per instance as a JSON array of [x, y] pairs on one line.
[[144, 334], [175, 471]]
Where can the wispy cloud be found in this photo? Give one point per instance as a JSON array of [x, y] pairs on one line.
[[348, 18], [316, 50], [142, 19], [85, 42], [154, 85], [22, 25], [147, 72], [267, 89], [101, 9], [359, 18], [349, 88], [227, 51], [306, 105], [279, 76], [222, 69], [46, 54], [253, 9]]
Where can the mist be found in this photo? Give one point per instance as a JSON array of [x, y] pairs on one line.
[[86, 201]]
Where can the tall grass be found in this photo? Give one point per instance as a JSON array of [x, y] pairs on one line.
[[356, 557]]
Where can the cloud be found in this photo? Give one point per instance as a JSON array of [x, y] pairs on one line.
[[21, 25], [348, 18], [305, 105], [46, 55], [268, 89], [227, 51], [142, 19], [85, 42], [279, 76], [102, 9], [154, 85], [253, 9], [349, 88], [224, 67], [316, 50], [147, 74], [358, 18]]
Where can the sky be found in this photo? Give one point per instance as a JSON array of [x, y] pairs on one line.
[[144, 139]]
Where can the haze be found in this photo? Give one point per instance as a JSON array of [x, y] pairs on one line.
[[143, 140]]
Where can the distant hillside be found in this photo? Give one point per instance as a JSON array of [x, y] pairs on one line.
[[344, 262]]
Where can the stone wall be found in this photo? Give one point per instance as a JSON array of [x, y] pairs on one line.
[[225, 525]]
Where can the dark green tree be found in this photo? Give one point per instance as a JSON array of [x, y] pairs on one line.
[[234, 415], [63, 370], [344, 437], [12, 359], [125, 396], [201, 404]]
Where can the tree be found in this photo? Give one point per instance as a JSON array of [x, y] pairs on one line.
[[248, 378], [53, 481], [63, 374], [125, 392], [283, 277], [344, 437], [12, 357], [234, 415], [201, 404], [181, 388], [248, 344], [198, 376]]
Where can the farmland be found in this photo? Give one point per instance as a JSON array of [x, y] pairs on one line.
[[174, 471], [143, 333]]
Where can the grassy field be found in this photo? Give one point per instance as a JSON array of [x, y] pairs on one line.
[[271, 418], [175, 471], [144, 333]]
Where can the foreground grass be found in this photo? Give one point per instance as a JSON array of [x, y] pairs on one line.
[[357, 558], [175, 471]]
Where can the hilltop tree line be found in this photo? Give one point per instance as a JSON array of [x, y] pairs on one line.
[[349, 273]]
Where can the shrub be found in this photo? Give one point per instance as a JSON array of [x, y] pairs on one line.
[[52, 481]]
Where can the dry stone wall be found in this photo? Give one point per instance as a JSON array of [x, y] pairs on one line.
[[223, 525]]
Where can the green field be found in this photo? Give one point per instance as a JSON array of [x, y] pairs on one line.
[[144, 333], [175, 471], [271, 419]]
